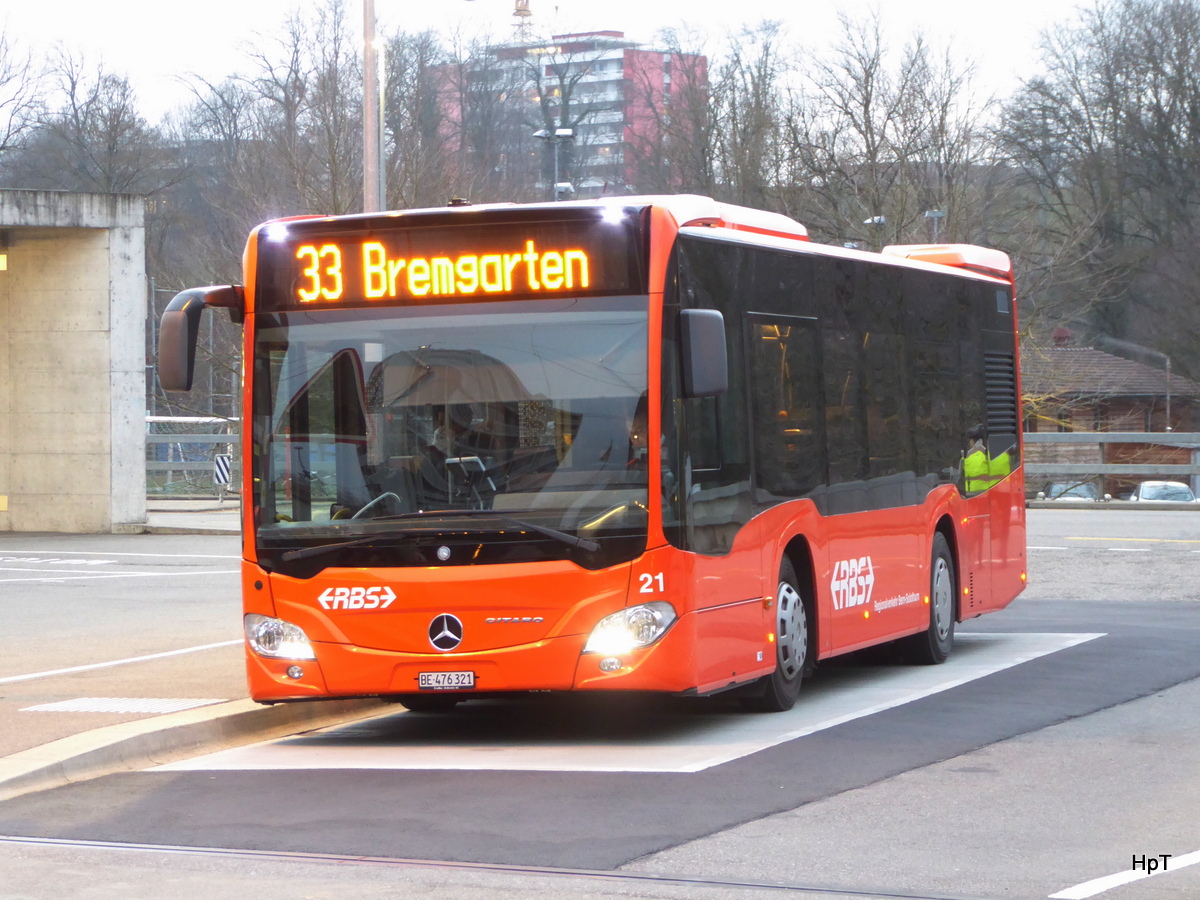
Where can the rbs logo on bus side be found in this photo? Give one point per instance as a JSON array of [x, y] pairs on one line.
[[853, 580], [357, 598]]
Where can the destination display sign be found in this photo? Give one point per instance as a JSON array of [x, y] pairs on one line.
[[367, 262]]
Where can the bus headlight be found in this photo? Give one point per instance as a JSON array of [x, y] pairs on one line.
[[638, 626], [277, 639]]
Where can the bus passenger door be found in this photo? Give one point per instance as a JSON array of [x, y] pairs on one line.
[[874, 579], [787, 429]]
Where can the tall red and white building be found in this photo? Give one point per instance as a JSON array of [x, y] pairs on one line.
[[612, 95]]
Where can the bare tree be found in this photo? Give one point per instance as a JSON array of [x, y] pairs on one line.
[[22, 89], [307, 109], [749, 111], [497, 150], [420, 97], [1106, 141], [672, 143], [333, 121], [559, 77], [93, 138], [873, 143]]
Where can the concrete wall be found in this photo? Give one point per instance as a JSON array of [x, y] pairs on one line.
[[72, 362]]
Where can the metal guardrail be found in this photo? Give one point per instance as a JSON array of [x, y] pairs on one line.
[[1190, 439], [1164, 438], [205, 465], [190, 466]]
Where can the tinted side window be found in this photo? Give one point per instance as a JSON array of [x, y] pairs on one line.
[[789, 430], [934, 319], [885, 374], [842, 348]]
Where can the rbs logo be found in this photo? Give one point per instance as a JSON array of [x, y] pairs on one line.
[[853, 580], [357, 598]]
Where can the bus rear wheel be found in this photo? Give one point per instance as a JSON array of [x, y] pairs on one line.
[[933, 645], [779, 691]]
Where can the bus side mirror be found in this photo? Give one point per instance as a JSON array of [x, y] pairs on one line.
[[179, 330], [705, 365]]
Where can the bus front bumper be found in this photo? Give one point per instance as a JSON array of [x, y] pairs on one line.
[[552, 664]]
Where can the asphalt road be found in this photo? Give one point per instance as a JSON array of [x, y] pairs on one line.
[[1020, 783], [81, 614]]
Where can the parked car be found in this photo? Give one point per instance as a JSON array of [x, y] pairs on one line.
[[1072, 490], [1163, 492]]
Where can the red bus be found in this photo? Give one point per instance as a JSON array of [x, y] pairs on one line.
[[640, 444]]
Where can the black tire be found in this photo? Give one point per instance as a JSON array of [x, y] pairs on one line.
[[428, 702], [779, 691], [933, 645]]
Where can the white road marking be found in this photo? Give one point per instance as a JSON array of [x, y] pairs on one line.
[[58, 578], [145, 555], [56, 561], [1108, 882], [1127, 549], [687, 744], [148, 705], [11, 679]]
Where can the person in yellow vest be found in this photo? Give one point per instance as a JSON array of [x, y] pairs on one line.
[[980, 471], [975, 462], [1000, 467]]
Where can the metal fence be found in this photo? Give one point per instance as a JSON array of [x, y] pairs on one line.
[[181, 455], [185, 454], [1076, 470]]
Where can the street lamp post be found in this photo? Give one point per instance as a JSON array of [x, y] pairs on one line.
[[372, 116], [555, 137]]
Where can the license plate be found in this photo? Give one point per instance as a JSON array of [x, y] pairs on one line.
[[446, 681]]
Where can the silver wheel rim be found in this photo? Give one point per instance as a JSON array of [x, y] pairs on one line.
[[791, 631], [943, 598]]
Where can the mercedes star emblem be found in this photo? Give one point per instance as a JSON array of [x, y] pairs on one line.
[[445, 632]]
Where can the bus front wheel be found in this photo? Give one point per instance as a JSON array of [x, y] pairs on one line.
[[933, 645], [778, 691]]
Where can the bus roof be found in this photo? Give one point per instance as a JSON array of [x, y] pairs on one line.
[[695, 210], [959, 256], [686, 209]]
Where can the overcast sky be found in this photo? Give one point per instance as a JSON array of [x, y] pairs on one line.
[[154, 42]]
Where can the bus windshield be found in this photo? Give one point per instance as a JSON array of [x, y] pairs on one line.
[[471, 433]]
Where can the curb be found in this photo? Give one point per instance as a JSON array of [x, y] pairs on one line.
[[132, 746], [186, 529]]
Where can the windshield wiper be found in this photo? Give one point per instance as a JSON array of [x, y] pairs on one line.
[[305, 552], [568, 539]]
